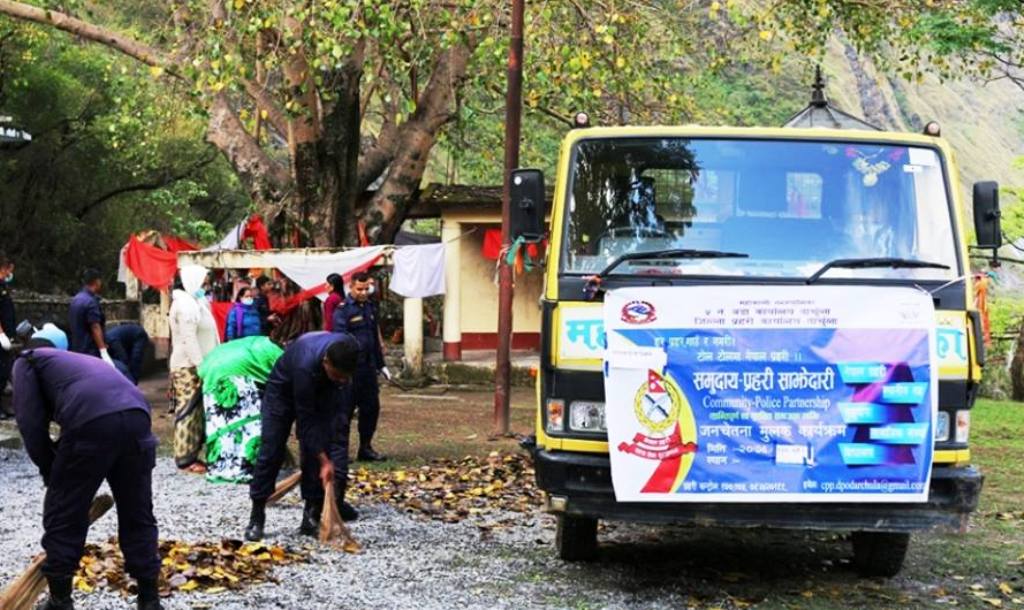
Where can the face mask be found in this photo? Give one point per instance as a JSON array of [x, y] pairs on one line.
[[10, 278], [372, 289], [200, 293], [247, 301]]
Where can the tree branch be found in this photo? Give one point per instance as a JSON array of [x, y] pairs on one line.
[[265, 103], [109, 38], [151, 185]]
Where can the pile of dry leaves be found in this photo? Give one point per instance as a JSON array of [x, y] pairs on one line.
[[451, 490], [208, 567]]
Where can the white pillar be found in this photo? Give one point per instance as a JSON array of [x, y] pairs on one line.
[[412, 333], [452, 331]]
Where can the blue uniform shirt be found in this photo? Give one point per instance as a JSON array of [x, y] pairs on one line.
[[85, 311], [298, 380], [69, 389], [360, 320]]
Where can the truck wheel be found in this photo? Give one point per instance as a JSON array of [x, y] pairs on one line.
[[879, 553], [576, 538]]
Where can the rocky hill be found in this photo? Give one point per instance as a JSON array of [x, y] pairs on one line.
[[983, 122]]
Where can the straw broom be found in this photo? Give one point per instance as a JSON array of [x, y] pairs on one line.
[[333, 530], [24, 591]]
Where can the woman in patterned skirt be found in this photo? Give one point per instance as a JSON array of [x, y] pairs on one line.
[[193, 335], [233, 376]]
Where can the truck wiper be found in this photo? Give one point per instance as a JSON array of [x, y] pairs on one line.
[[593, 284], [667, 254], [867, 263]]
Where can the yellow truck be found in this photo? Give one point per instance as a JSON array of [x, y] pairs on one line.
[[711, 210]]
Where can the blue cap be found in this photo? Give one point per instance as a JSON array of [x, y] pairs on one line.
[[52, 334]]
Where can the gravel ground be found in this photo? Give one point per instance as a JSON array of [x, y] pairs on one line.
[[410, 562], [407, 562]]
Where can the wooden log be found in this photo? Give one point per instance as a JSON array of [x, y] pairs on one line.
[[25, 590]]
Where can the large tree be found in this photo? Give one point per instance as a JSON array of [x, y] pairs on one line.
[[313, 103]]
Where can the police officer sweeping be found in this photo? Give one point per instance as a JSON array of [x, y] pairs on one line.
[[308, 386], [358, 316], [105, 434]]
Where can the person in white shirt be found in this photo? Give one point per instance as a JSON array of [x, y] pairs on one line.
[[193, 335]]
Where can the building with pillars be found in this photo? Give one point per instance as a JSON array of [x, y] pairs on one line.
[[470, 216]]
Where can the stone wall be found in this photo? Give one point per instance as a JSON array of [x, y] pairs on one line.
[[39, 309]]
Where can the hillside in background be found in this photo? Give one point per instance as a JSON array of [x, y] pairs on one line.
[[983, 122]]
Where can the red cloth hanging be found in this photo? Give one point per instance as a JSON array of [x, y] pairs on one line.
[[177, 244], [220, 314], [283, 305], [257, 231], [153, 266], [492, 244]]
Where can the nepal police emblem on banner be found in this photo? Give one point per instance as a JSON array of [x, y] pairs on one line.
[[671, 432], [638, 312]]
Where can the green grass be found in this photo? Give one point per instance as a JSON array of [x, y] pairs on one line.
[[997, 447]]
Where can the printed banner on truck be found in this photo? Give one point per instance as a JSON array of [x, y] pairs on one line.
[[770, 394]]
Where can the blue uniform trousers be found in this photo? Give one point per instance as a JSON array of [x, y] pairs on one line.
[[121, 449]]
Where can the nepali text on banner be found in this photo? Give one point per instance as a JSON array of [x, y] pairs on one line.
[[770, 394]]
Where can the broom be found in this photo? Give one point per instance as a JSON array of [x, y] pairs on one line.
[[24, 591], [333, 530], [287, 484]]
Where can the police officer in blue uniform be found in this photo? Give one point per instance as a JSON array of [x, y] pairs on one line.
[[105, 434], [358, 316], [308, 386]]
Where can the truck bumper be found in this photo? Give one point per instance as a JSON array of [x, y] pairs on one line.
[[580, 484]]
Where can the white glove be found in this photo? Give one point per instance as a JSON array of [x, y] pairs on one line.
[[5, 342], [106, 358], [387, 374]]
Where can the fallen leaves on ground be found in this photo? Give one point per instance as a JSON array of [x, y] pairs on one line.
[[452, 490], [211, 567]]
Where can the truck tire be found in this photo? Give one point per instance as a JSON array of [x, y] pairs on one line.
[[576, 538], [879, 553]]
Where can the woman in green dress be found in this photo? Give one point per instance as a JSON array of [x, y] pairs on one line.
[[233, 375]]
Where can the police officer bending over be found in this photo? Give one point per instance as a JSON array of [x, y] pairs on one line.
[[309, 386], [358, 315], [105, 434]]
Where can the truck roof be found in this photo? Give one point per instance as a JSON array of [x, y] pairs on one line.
[[760, 133]]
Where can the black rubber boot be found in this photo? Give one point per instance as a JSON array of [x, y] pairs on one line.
[[311, 518], [149, 594], [366, 453], [60, 594], [347, 511], [257, 519]]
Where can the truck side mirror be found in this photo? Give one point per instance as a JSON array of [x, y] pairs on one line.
[[528, 205], [987, 228]]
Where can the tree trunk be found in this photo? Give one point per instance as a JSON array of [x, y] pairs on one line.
[[341, 154], [1017, 366], [386, 211], [266, 181]]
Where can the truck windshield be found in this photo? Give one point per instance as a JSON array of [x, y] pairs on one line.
[[792, 206]]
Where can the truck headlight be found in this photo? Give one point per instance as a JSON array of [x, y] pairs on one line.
[[556, 415], [942, 426], [587, 416], [963, 426]]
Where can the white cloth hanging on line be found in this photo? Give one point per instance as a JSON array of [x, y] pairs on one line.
[[419, 271], [309, 271], [231, 239]]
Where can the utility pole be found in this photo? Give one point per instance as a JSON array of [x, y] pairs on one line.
[[513, 110]]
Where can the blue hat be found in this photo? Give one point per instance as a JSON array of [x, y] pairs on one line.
[[52, 334]]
